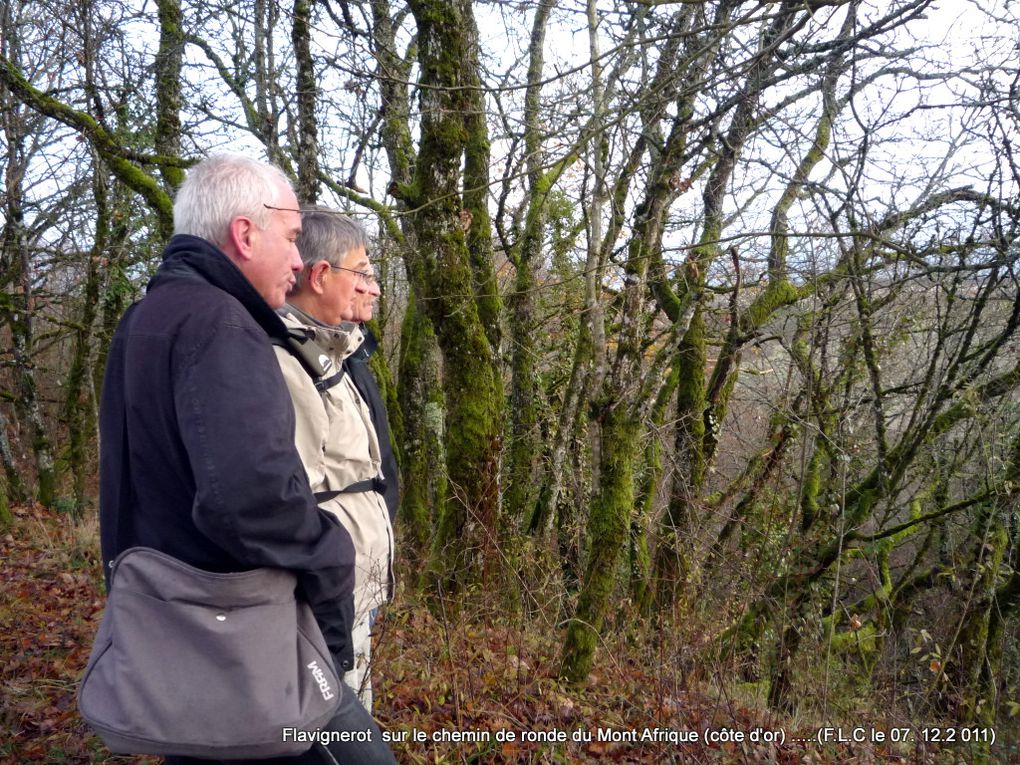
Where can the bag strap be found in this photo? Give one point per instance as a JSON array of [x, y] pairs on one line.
[[300, 344], [376, 484], [121, 520], [323, 385]]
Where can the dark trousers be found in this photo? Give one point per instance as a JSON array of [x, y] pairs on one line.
[[350, 716]]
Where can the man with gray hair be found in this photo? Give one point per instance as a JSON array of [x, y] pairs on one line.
[[197, 457], [335, 434]]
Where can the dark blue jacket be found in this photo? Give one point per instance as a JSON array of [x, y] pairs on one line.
[[364, 380], [197, 453]]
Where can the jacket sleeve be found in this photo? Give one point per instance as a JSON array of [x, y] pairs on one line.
[[367, 385], [252, 497]]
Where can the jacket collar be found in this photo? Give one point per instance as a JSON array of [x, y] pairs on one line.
[[340, 339], [193, 257], [368, 347]]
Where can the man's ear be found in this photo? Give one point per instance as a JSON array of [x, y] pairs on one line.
[[240, 236], [317, 276]]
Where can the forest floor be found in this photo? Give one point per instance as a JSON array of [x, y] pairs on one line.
[[470, 673]]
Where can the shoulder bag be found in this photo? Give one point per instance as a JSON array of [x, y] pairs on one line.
[[202, 664]]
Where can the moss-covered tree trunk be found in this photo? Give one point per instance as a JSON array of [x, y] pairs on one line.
[[445, 277], [117, 289], [307, 186], [608, 525], [28, 404], [640, 555], [79, 403], [781, 682], [169, 60], [13, 169], [420, 394], [524, 450], [617, 409], [19, 306], [587, 366], [14, 487], [421, 403], [976, 675], [673, 553], [521, 491]]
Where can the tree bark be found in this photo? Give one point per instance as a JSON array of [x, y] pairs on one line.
[[79, 404], [421, 403], [608, 524], [20, 309], [307, 186], [442, 274], [524, 392], [169, 60]]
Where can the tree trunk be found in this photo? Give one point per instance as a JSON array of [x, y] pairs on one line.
[[79, 404], [673, 553], [608, 525], [307, 186], [641, 567], [443, 274], [20, 313], [14, 487], [422, 408], [30, 410], [524, 430], [169, 60], [980, 650]]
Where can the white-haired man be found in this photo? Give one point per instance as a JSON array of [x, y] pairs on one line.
[[197, 454]]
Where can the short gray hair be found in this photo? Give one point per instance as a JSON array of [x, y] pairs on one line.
[[221, 188], [328, 235]]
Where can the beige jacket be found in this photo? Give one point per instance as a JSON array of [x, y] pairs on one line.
[[337, 442]]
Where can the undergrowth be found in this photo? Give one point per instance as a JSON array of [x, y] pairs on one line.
[[465, 681]]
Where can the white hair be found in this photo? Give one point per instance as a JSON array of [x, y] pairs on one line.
[[221, 188]]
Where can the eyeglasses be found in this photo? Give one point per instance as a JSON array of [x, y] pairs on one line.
[[304, 210], [366, 278]]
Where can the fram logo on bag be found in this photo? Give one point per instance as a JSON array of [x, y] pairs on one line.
[[320, 678]]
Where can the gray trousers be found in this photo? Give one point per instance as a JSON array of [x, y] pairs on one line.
[[350, 716]]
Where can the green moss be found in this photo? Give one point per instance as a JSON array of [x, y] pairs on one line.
[[5, 511], [812, 486], [417, 376], [775, 296], [168, 64], [690, 399], [607, 531]]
